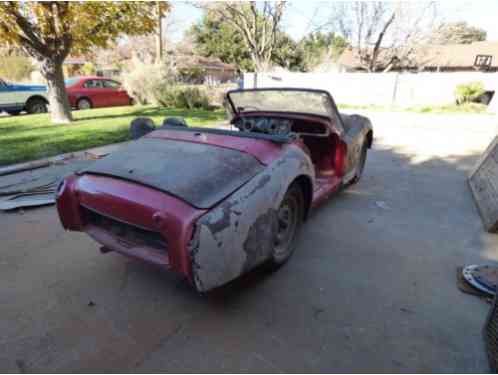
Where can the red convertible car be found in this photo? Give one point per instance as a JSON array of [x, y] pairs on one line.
[[212, 204], [94, 92]]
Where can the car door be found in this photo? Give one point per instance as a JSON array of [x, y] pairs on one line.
[[354, 136], [9, 97], [4, 95], [94, 90], [116, 94]]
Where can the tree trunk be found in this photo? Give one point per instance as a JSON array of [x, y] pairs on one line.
[[260, 63], [159, 35], [60, 109]]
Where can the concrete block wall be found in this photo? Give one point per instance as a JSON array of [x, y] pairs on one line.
[[385, 89]]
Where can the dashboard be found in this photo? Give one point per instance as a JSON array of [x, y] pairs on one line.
[[280, 126]]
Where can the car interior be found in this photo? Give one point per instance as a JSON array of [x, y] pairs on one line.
[[315, 134], [319, 141]]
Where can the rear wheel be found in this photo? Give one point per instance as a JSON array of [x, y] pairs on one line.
[[14, 113], [36, 105], [289, 219], [84, 103]]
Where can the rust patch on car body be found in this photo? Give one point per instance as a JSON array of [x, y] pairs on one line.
[[238, 234], [259, 241]]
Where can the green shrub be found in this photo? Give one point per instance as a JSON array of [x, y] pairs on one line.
[[15, 68], [469, 92], [88, 69], [145, 82], [182, 97], [192, 75]]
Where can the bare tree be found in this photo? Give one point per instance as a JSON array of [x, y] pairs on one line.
[[383, 34], [257, 22]]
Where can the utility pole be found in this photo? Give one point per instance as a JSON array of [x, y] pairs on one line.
[[159, 34]]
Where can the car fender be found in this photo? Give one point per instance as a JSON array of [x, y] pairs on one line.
[[238, 234], [357, 129], [15, 97]]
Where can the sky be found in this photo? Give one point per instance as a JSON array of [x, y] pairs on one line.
[[302, 15]]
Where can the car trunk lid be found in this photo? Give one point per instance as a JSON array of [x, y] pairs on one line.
[[198, 173]]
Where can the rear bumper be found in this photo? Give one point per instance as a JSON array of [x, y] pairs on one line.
[[135, 206]]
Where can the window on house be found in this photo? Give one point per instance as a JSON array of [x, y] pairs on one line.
[[483, 61]]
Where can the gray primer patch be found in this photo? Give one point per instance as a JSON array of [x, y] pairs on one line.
[[237, 234], [259, 241]]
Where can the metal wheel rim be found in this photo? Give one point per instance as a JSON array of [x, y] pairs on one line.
[[39, 108], [287, 222], [84, 104]]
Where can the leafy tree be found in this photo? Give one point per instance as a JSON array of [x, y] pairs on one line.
[[257, 23], [215, 37], [317, 46], [457, 33], [287, 53], [49, 31], [15, 66]]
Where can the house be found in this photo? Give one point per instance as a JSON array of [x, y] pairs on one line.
[[211, 70], [477, 56], [73, 65]]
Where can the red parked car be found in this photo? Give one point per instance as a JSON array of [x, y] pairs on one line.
[[211, 204], [94, 92]]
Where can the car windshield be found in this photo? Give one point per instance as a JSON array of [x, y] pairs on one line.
[[278, 100], [71, 81]]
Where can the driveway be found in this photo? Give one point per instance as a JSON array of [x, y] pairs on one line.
[[371, 287]]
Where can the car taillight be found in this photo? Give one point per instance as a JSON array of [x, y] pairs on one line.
[[340, 158], [60, 188]]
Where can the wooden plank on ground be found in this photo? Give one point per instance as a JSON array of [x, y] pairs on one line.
[[23, 167], [483, 182]]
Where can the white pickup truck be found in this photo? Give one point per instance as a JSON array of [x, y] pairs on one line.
[[15, 98]]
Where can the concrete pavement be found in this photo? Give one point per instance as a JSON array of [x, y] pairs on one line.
[[371, 287]]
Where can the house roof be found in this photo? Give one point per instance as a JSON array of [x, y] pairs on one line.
[[204, 62], [75, 60], [443, 56]]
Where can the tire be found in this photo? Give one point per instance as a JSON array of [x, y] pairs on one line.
[[361, 164], [84, 103], [289, 218], [14, 113], [36, 105]]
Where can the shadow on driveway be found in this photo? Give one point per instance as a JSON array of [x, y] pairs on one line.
[[371, 287]]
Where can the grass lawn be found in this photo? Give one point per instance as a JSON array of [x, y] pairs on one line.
[[450, 108], [29, 137]]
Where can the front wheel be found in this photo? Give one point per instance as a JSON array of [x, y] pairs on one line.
[[361, 164], [289, 218], [36, 105]]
